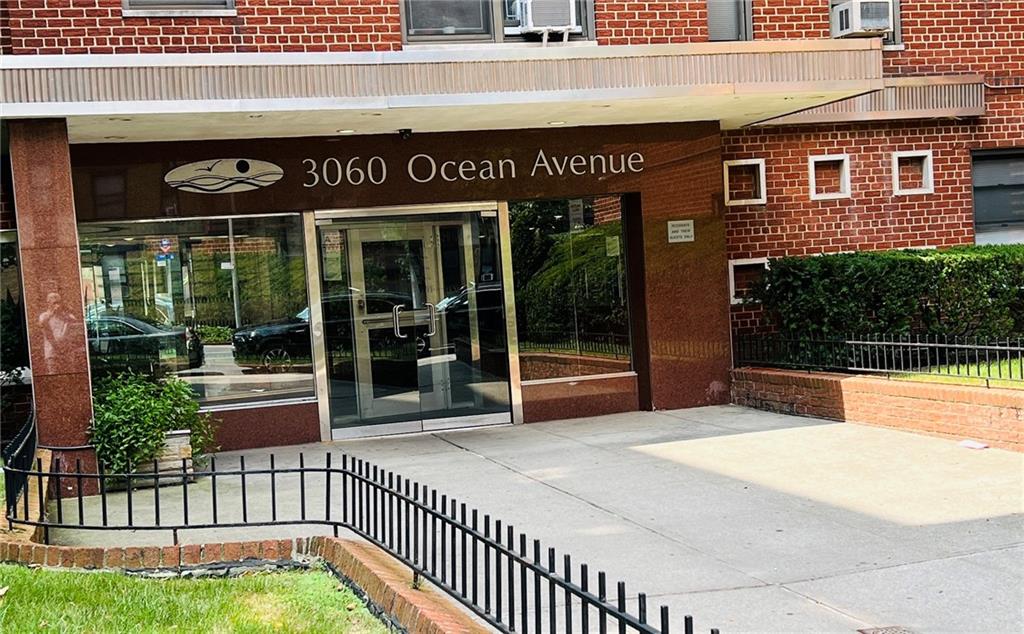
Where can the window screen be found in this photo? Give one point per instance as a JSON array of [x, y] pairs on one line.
[[729, 20], [999, 189]]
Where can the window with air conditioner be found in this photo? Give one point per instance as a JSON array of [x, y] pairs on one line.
[[172, 8], [861, 18], [497, 20], [730, 20]]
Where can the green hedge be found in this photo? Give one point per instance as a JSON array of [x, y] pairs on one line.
[[976, 290]]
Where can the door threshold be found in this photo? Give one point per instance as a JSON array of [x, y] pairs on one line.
[[424, 426]]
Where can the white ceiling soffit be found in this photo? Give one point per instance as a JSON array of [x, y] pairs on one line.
[[155, 97]]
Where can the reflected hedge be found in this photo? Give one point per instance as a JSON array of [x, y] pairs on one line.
[[963, 291]]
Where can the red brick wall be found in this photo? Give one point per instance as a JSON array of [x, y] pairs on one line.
[[790, 19], [991, 415], [984, 36], [96, 26], [642, 22], [872, 218]]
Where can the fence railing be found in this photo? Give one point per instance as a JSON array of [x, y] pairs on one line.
[[495, 571], [970, 358], [611, 345], [18, 455]]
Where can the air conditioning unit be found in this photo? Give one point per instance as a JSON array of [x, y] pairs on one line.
[[545, 16], [862, 18]]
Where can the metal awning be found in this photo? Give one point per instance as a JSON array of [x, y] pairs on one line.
[[934, 97], [151, 97]]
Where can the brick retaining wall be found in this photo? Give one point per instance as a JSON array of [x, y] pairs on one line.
[[382, 581], [991, 415]]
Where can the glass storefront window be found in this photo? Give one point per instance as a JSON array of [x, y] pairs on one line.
[[220, 303], [15, 376], [572, 315]]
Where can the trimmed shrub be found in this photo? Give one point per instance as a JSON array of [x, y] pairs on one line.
[[214, 334], [132, 413], [973, 291]]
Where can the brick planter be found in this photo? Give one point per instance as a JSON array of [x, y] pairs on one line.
[[991, 415]]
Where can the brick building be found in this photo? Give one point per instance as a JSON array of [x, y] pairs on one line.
[[471, 211]]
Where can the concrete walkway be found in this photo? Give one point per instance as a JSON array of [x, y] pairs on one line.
[[749, 521]]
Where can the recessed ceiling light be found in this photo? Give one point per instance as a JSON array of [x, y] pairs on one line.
[[556, 122], [346, 131]]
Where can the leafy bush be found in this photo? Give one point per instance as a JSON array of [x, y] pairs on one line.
[[214, 334], [133, 412], [976, 290]]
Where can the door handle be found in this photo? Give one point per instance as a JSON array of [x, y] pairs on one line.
[[432, 313], [394, 316]]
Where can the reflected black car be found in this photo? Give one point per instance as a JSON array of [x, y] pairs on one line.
[[284, 344], [276, 345], [119, 344]]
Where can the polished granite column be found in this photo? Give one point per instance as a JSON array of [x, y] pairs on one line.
[[51, 278]]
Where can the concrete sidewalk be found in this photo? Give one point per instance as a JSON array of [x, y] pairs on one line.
[[749, 521]]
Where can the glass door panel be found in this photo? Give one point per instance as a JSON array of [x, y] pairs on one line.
[[464, 371], [414, 321]]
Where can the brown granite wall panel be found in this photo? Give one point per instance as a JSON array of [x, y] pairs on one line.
[[578, 399], [48, 251], [687, 298], [267, 426]]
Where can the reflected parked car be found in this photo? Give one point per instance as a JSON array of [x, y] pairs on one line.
[[118, 343], [277, 345], [284, 344]]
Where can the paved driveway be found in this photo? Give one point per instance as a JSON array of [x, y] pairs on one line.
[[750, 521]]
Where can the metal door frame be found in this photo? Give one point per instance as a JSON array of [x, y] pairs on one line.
[[313, 273]]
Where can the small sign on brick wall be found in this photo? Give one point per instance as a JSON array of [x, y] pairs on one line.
[[680, 231]]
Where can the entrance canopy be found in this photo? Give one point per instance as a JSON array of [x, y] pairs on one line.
[[116, 98]]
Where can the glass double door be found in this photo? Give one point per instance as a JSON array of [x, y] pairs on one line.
[[414, 323]]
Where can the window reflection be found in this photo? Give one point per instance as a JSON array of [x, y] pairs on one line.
[[220, 303], [570, 281], [15, 376]]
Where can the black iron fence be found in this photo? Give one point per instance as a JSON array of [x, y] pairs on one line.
[[17, 456], [495, 571], [969, 358], [612, 345]]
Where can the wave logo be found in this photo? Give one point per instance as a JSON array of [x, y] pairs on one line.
[[223, 176]]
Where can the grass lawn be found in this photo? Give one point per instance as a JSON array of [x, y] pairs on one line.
[[973, 374], [65, 601]]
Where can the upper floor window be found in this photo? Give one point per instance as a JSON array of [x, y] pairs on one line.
[[895, 36], [496, 20], [177, 7], [730, 20]]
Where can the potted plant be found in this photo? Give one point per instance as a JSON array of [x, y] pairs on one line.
[[141, 423]]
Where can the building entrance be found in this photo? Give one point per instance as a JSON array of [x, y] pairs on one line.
[[415, 323]]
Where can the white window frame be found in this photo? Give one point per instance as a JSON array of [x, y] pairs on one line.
[[844, 176], [171, 9], [762, 199], [732, 276], [927, 173]]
